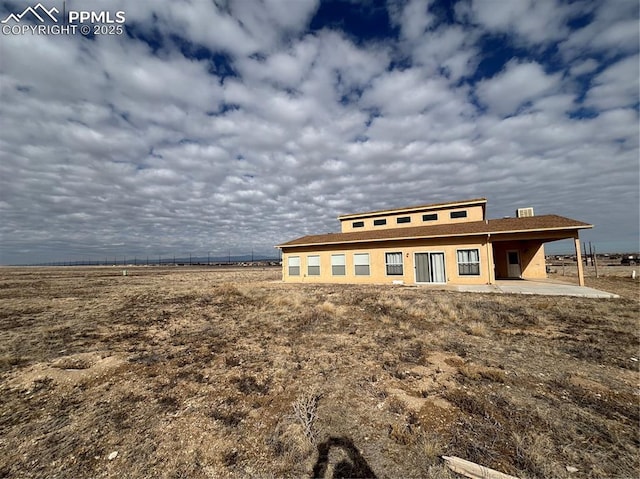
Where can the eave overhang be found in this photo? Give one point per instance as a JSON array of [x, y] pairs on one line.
[[491, 228]]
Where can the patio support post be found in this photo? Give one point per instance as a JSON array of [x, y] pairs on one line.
[[579, 259], [490, 263]]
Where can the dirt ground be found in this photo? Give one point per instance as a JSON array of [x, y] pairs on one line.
[[199, 372]]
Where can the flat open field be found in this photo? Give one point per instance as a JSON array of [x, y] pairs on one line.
[[226, 372]]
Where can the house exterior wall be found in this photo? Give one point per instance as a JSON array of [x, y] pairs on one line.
[[532, 258], [377, 261], [474, 212]]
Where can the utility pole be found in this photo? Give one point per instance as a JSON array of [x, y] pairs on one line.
[[208, 258]]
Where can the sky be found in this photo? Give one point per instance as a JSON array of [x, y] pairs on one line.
[[213, 126]]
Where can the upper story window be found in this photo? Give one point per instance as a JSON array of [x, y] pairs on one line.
[[403, 219], [379, 222], [430, 217], [458, 214], [357, 224]]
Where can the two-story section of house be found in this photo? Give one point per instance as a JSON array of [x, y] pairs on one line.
[[425, 215], [429, 244]]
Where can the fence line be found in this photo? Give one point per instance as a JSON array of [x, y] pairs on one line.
[[164, 260]]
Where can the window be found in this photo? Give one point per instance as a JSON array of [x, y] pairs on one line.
[[404, 219], [357, 224], [313, 265], [379, 222], [394, 264], [361, 263], [294, 265], [430, 217], [458, 214], [338, 265], [468, 262]]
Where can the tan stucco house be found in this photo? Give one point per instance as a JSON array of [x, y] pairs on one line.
[[445, 243]]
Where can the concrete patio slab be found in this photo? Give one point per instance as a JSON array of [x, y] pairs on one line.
[[544, 288]]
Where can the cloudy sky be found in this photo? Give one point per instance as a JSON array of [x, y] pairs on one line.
[[209, 126]]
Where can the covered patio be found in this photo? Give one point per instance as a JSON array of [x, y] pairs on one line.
[[520, 255]]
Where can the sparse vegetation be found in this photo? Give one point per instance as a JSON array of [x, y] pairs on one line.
[[305, 412], [217, 373]]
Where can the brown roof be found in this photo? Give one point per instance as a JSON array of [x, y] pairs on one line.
[[412, 208], [504, 225]]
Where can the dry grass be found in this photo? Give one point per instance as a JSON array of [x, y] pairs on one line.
[[217, 373], [477, 328]]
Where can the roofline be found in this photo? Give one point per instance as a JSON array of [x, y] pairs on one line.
[[408, 209], [397, 238]]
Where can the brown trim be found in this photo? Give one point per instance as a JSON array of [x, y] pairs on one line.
[[408, 238], [533, 224]]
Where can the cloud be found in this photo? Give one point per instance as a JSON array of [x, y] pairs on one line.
[[516, 85], [413, 17], [449, 50], [610, 33], [528, 20], [584, 67], [216, 126], [617, 86], [270, 20], [283, 68], [389, 92]]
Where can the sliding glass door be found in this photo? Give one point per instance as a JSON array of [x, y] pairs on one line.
[[430, 268]]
